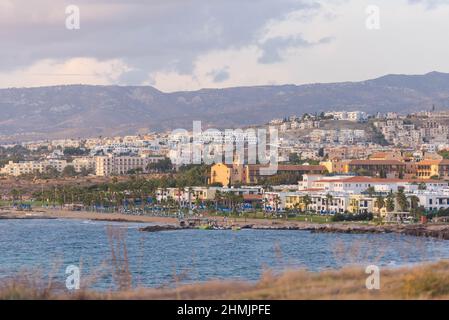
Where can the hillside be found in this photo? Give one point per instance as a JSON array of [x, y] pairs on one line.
[[81, 110]]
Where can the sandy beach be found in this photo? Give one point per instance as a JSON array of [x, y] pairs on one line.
[[42, 213]]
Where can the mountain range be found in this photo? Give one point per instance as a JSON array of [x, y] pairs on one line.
[[85, 110]]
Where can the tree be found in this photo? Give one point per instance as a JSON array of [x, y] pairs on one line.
[[370, 191], [414, 202], [389, 204], [277, 202], [50, 172], [69, 171], [362, 172], [75, 151], [217, 199], [264, 204], [307, 201], [189, 196], [163, 165], [16, 194], [329, 199], [296, 207], [444, 154], [414, 206], [402, 201], [401, 174], [380, 202], [294, 158], [321, 152]]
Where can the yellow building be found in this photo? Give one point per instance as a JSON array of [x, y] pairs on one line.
[[226, 174], [336, 166], [427, 168], [328, 165], [359, 203], [294, 202], [251, 174], [220, 173]]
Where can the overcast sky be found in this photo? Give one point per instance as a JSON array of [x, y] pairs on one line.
[[191, 44]]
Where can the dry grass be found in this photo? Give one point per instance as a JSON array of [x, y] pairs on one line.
[[429, 281]]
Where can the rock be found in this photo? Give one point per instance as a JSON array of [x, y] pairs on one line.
[[161, 228]]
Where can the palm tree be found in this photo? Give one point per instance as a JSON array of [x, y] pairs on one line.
[[198, 203], [380, 202], [277, 202], [414, 203], [15, 194], [227, 199], [264, 204], [329, 199], [296, 207], [389, 204], [401, 198], [190, 191], [370, 191], [180, 189], [217, 198], [307, 201], [238, 200]]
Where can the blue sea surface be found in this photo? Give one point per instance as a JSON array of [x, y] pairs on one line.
[[173, 257]]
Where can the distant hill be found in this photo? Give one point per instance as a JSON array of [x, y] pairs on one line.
[[82, 110]]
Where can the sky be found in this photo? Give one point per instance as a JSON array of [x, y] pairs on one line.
[[177, 45]]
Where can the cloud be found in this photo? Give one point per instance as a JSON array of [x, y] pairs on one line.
[[191, 44], [430, 4], [77, 70], [148, 36], [273, 48], [220, 75]]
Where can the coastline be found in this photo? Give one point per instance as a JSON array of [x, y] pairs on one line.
[[83, 215], [437, 231]]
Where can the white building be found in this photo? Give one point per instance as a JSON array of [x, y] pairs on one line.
[[355, 116]]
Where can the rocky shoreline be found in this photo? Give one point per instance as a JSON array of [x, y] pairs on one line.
[[428, 231], [158, 228], [438, 231]]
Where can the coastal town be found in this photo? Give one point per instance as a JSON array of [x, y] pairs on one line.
[[243, 154], [344, 166]]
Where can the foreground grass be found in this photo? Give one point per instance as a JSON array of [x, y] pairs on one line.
[[429, 281]]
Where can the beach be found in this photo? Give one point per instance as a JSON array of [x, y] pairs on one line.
[[43, 213]]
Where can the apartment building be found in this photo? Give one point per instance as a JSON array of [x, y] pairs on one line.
[[433, 200], [254, 173], [188, 195], [429, 168], [358, 185], [83, 163], [28, 167], [381, 168], [329, 202], [354, 116], [226, 174], [116, 165], [193, 194]]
